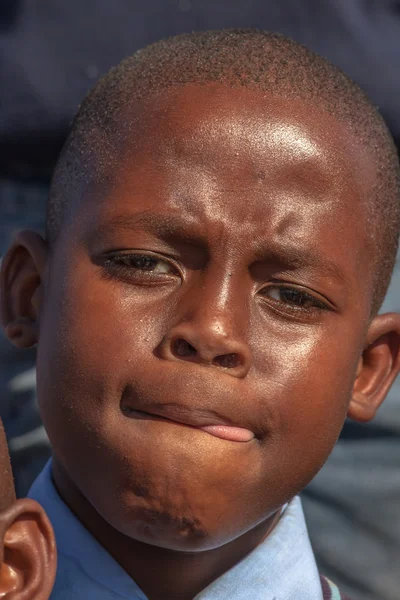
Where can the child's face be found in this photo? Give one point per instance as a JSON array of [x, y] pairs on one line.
[[27, 545], [220, 274]]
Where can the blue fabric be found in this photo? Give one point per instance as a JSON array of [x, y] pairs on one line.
[[281, 568]]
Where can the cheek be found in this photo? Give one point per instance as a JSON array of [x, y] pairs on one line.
[[93, 334], [98, 324], [309, 363], [305, 380]]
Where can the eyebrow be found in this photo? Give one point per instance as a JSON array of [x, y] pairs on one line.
[[296, 258], [158, 223], [176, 224]]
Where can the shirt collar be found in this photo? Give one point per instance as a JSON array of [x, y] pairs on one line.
[[280, 568]]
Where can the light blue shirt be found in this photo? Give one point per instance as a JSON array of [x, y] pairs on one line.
[[280, 568]]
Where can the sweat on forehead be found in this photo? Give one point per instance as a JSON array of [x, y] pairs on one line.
[[7, 494], [236, 58]]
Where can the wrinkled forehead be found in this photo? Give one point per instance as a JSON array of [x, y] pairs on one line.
[[258, 174], [7, 494], [197, 141], [243, 155]]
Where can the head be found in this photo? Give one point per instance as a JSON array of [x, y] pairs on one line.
[[222, 226], [27, 546]]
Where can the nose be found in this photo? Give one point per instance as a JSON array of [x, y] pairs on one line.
[[207, 342]]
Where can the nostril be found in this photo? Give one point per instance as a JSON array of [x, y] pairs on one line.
[[183, 349], [227, 361]]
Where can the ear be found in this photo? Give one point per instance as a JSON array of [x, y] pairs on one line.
[[27, 552], [21, 276], [377, 367]]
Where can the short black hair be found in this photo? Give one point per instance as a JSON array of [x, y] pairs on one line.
[[234, 57]]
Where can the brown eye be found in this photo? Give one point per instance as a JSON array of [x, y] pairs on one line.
[[291, 296], [144, 262], [139, 267]]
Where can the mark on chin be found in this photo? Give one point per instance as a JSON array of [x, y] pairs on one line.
[[156, 523]]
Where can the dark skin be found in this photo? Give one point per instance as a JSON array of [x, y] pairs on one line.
[[27, 544], [220, 273]]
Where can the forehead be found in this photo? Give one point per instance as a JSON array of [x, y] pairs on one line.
[[212, 138], [244, 168], [214, 120], [247, 137], [6, 481]]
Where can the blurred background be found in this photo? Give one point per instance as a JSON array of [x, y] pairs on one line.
[[51, 53]]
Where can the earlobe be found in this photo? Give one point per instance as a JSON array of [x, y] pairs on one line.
[[28, 557], [377, 368], [22, 333], [21, 280]]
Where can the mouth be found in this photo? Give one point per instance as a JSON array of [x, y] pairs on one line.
[[203, 420]]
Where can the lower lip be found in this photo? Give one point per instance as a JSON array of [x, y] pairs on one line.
[[224, 432], [232, 434]]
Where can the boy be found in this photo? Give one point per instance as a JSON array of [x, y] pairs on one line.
[[222, 227], [27, 545]]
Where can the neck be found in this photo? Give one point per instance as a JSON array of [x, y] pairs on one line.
[[180, 575]]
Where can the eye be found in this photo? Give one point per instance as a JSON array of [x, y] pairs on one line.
[[293, 297], [144, 262], [140, 265]]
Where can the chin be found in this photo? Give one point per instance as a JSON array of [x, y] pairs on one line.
[[171, 532], [173, 523]]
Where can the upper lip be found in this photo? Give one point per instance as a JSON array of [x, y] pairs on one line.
[[194, 417]]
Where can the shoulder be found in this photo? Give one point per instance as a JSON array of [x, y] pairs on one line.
[[330, 590]]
